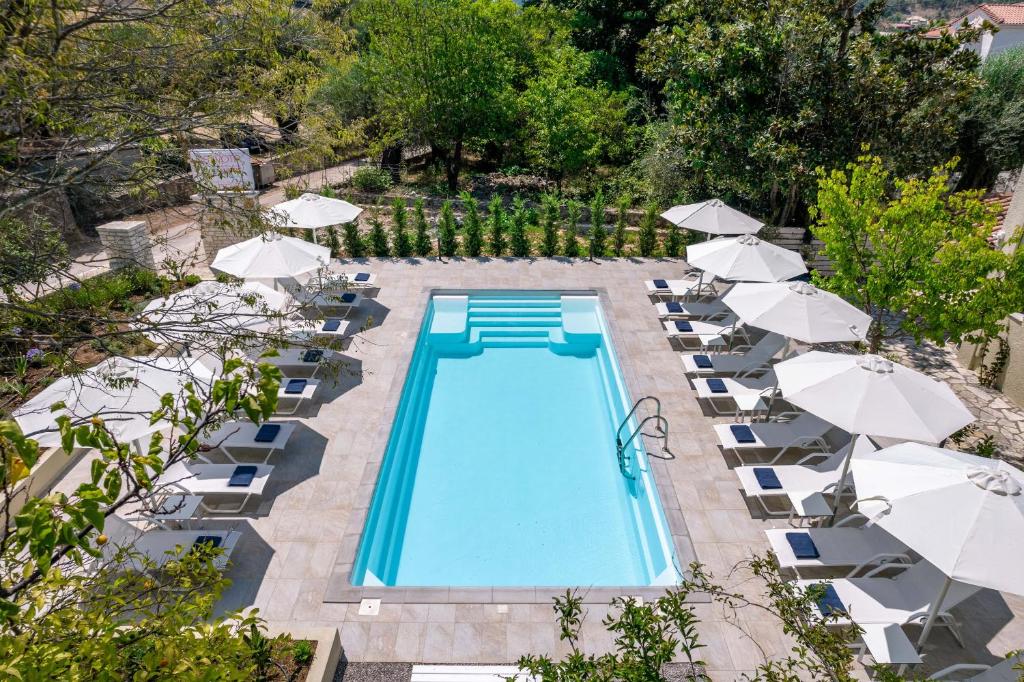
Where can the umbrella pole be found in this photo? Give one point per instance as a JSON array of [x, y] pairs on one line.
[[842, 478], [934, 614]]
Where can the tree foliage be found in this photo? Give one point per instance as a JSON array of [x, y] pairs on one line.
[[913, 254]]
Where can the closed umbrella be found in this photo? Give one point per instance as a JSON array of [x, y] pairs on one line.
[[867, 394], [745, 259], [712, 217], [962, 513], [312, 211], [797, 310], [271, 256], [121, 391]]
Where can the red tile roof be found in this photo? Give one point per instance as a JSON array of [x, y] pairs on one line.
[[1001, 15]]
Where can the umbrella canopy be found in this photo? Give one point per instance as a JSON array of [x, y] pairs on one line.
[[712, 217], [271, 256], [209, 309], [798, 310], [956, 510], [122, 391], [311, 211], [871, 395], [745, 258]]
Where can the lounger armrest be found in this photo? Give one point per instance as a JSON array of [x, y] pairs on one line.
[[873, 573], [959, 668], [786, 416], [848, 519], [813, 455], [805, 443], [741, 347], [883, 560]]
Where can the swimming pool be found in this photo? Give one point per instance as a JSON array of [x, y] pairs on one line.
[[501, 468]]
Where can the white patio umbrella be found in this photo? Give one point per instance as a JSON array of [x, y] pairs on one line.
[[712, 217], [797, 310], [962, 513], [271, 256], [312, 211], [745, 258], [210, 309], [867, 394], [121, 391]]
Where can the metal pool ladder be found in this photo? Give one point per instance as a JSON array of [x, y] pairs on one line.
[[662, 432]]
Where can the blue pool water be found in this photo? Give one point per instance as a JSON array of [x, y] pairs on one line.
[[501, 466]]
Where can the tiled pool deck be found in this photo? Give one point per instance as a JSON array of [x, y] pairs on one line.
[[295, 548]]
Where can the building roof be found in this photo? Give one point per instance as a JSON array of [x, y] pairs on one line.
[[1011, 14]]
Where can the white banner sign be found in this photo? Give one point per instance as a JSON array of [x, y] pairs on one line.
[[222, 169]]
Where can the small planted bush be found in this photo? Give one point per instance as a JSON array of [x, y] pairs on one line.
[[648, 240], [598, 234], [674, 241], [354, 245], [447, 230], [422, 244], [519, 238], [378, 238], [550, 218], [472, 230], [619, 236], [371, 179], [401, 245], [496, 223], [571, 247]]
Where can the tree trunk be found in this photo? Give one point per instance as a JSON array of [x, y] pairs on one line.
[[391, 161], [452, 166], [875, 334]]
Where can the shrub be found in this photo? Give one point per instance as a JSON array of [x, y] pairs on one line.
[[371, 179], [302, 652], [354, 245], [648, 240], [446, 231], [423, 244], [550, 210], [674, 241], [333, 243], [473, 235], [378, 238], [597, 230], [496, 218], [520, 240], [401, 245], [619, 236], [571, 247]]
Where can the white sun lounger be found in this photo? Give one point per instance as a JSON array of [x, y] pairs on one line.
[[351, 280], [840, 546], [706, 333], [159, 546], [214, 480], [804, 431], [290, 360], [289, 403], [677, 288], [241, 435], [741, 394], [314, 329], [334, 300], [1006, 671], [756, 356], [701, 311]]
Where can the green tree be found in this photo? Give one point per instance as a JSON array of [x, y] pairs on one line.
[[621, 225], [674, 241], [447, 228], [423, 243], [496, 221], [598, 232], [551, 213], [355, 247], [472, 230], [440, 71], [761, 94], [401, 246], [648, 237], [518, 237], [914, 255], [378, 238], [568, 124], [571, 246]]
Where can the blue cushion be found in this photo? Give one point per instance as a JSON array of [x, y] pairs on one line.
[[660, 284], [348, 298], [295, 386], [803, 546], [766, 478], [703, 362], [742, 433], [267, 433], [312, 355], [242, 476], [831, 603], [207, 541], [717, 386], [331, 325], [683, 326], [361, 277], [674, 307]]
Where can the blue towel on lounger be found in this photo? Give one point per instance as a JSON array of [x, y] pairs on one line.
[[660, 284], [831, 603], [683, 326], [242, 476], [267, 433], [703, 362], [206, 542], [803, 546], [313, 355], [295, 386], [361, 277], [717, 386], [767, 479], [742, 433], [674, 307], [331, 325], [348, 298]]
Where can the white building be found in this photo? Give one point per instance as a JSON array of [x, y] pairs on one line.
[[1007, 20]]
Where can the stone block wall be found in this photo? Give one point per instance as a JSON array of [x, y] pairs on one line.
[[227, 218], [127, 244]]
